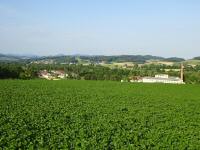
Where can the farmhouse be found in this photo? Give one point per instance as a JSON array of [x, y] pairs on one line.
[[53, 75], [59, 74], [45, 74], [162, 78]]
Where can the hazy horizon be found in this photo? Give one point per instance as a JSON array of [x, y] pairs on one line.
[[78, 54], [159, 28]]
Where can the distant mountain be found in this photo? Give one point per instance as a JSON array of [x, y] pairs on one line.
[[8, 58], [102, 58], [14, 58], [174, 59], [88, 58], [197, 58], [121, 58]]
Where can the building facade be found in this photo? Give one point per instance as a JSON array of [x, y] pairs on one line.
[[162, 78]]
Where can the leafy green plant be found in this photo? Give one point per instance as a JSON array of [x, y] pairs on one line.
[[39, 114]]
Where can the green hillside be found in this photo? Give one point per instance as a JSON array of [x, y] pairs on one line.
[[192, 62], [39, 114]]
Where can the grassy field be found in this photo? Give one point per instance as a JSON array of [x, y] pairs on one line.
[[192, 62], [118, 65], [39, 114]]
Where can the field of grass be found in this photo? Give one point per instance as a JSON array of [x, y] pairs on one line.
[[39, 114], [118, 65], [157, 62], [192, 62]]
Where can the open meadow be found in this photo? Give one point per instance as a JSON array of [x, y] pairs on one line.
[[69, 114]]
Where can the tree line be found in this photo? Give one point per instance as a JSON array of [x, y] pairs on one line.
[[95, 72]]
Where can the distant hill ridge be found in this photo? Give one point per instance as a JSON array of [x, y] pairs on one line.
[[197, 58], [92, 58]]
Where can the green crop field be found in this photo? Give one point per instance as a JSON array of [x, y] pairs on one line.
[[39, 114]]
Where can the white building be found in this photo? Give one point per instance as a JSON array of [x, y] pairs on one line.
[[162, 78], [53, 75], [45, 74]]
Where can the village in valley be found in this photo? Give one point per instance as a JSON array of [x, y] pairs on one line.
[[158, 78], [53, 74], [124, 68], [162, 78]]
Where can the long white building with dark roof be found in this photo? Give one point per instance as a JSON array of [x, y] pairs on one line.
[[162, 78]]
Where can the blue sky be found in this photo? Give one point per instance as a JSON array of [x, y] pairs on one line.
[[105, 27]]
